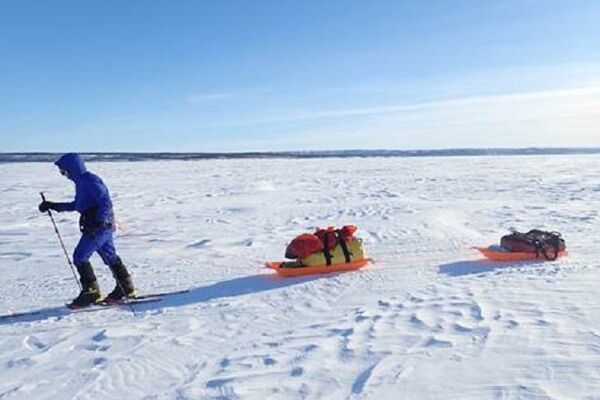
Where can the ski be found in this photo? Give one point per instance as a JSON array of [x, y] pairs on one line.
[[134, 300], [105, 306], [140, 298], [63, 309], [160, 294]]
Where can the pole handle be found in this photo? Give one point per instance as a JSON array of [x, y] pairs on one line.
[[44, 199], [50, 215]]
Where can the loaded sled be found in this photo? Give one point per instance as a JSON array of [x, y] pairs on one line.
[[326, 250], [532, 245]]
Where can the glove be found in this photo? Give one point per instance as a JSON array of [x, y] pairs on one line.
[[47, 205]]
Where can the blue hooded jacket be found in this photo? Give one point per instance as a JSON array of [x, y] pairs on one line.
[[92, 199]]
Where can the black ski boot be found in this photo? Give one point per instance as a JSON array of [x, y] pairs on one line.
[[124, 287], [90, 294]]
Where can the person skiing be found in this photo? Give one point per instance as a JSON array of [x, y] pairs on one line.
[[97, 224]]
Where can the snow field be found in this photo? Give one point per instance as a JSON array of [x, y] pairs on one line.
[[428, 320]]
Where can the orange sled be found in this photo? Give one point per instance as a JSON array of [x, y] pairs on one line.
[[499, 255], [317, 269]]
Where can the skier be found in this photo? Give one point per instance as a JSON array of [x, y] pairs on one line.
[[97, 224]]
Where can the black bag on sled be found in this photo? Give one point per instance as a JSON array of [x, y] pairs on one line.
[[548, 244]]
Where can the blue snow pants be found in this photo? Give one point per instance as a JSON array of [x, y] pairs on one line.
[[101, 242]]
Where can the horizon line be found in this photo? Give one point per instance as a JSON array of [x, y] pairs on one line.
[[10, 157]]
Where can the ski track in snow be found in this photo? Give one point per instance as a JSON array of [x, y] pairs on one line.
[[428, 320]]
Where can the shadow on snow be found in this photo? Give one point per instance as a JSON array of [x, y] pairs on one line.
[[230, 288], [475, 267]]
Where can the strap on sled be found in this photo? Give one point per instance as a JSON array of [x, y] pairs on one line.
[[541, 249], [326, 251], [343, 245]]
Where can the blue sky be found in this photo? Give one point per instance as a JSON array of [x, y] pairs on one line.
[[285, 75]]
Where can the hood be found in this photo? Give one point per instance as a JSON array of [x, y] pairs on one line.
[[73, 164]]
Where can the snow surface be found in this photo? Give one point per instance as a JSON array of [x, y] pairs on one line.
[[428, 320]]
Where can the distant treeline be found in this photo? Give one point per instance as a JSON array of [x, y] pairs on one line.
[[91, 156]]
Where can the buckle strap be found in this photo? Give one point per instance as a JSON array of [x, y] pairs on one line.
[[326, 251], [343, 245]]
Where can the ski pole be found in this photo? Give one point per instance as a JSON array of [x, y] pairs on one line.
[[62, 244]]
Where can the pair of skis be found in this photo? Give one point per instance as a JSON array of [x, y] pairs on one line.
[[143, 299], [146, 298]]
